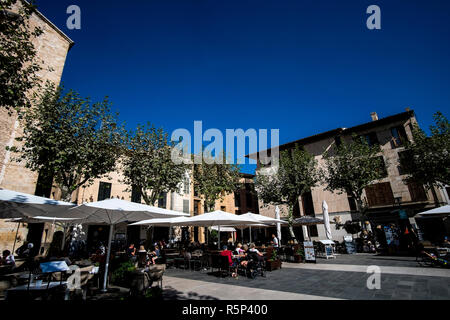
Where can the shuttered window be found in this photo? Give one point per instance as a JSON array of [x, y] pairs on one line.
[[417, 192], [162, 201], [379, 194], [135, 194], [186, 206], [104, 191]]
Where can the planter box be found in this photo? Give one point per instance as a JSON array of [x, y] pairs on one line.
[[298, 259], [273, 265]]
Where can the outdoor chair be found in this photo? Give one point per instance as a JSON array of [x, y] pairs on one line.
[[86, 282], [168, 261], [214, 262], [255, 266], [220, 263], [142, 259], [181, 263], [204, 261], [194, 262], [140, 283], [156, 273]]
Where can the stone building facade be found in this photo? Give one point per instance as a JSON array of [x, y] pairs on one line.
[[52, 47], [385, 198], [246, 198], [185, 199]]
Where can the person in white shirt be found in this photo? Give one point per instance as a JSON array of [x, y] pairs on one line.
[[275, 241], [253, 249], [239, 250]]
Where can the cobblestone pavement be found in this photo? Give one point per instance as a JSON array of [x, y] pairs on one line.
[[341, 278]]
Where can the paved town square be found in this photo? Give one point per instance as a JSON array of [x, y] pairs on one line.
[[341, 278]]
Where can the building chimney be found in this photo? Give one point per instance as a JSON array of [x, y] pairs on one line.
[[374, 116]]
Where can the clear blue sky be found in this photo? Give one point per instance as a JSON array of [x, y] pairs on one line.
[[303, 66]]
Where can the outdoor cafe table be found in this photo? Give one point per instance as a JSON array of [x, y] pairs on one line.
[[172, 254]]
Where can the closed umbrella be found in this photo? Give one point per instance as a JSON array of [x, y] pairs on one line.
[[326, 220], [277, 216], [114, 211]]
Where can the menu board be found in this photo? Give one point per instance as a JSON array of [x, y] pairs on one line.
[[310, 254], [350, 247], [328, 250]]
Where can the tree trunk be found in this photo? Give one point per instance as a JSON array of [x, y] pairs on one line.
[[66, 195], [360, 209], [290, 220]]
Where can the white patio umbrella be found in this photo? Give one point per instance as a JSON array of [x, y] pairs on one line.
[[65, 223], [15, 204], [262, 220], [114, 211], [245, 226], [161, 222], [224, 229], [219, 218], [436, 212], [326, 220], [18, 205]]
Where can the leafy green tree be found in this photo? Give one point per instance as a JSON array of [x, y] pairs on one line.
[[18, 62], [213, 181], [428, 157], [351, 167], [69, 137], [147, 163], [297, 174]]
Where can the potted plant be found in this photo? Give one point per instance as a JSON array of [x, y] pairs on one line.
[[273, 263], [299, 255], [123, 273]]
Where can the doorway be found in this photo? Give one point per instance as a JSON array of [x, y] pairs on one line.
[[34, 236]]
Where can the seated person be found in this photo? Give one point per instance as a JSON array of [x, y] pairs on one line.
[[143, 259], [157, 251], [239, 250], [131, 251], [7, 259], [153, 255], [227, 253], [244, 256], [253, 249]]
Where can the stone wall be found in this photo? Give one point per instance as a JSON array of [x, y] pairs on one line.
[[52, 47]]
